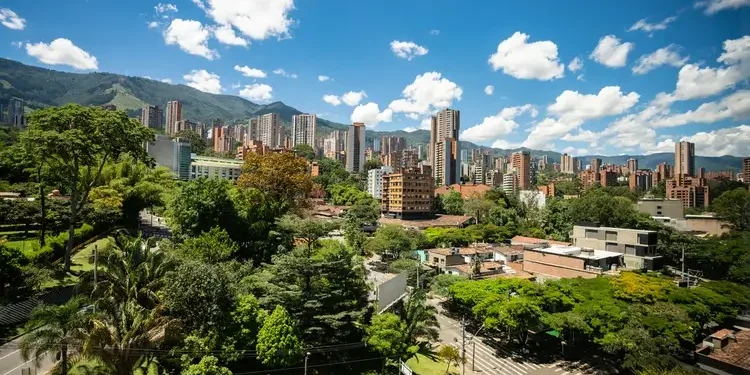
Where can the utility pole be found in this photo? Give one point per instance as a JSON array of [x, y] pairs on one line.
[[306, 355], [96, 264], [473, 350], [463, 346]]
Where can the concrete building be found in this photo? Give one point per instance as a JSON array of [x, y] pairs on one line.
[[637, 246], [376, 144], [725, 352], [444, 147], [270, 131], [303, 130], [632, 165], [746, 170], [173, 114], [521, 163], [151, 116], [389, 144], [401, 160], [209, 167], [692, 191], [671, 208], [171, 153], [596, 164], [664, 171], [640, 180], [510, 182], [355, 148], [16, 113], [684, 158], [569, 164], [407, 195], [334, 145], [222, 138], [563, 262], [375, 181], [185, 125], [607, 178]]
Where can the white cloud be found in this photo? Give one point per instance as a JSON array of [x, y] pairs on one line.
[[519, 59], [575, 151], [714, 6], [153, 25], [167, 80], [410, 129], [322, 78], [256, 19], [283, 73], [728, 141], [257, 92], [11, 20], [575, 65], [18, 44], [434, 32], [62, 52], [582, 136], [645, 26], [199, 4], [165, 8], [736, 105], [489, 89], [429, 92], [250, 72], [191, 37], [413, 116], [353, 98], [332, 100], [612, 52], [493, 127], [408, 50], [225, 34], [426, 124], [204, 81], [370, 114], [580, 77], [236, 85], [505, 145], [669, 55]]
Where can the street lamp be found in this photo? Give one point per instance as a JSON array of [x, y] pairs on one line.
[[306, 355]]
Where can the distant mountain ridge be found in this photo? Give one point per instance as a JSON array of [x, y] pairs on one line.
[[41, 87]]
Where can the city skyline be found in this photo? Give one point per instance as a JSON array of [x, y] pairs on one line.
[[516, 84]]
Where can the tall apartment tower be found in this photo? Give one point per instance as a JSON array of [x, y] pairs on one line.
[[151, 116], [334, 145], [444, 147], [632, 165], [521, 163], [596, 165], [16, 113], [746, 169], [303, 130], [174, 114], [270, 131], [355, 148], [684, 158]]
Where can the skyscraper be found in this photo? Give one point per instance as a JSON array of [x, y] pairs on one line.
[[664, 171], [632, 165], [151, 116], [569, 164], [355, 148], [303, 130], [521, 163], [270, 131], [684, 158], [596, 165], [16, 113], [444, 146], [334, 145], [392, 144], [746, 169], [174, 114]]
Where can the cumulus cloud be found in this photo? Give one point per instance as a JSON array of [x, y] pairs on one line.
[[204, 81], [353, 98], [62, 52], [407, 50], [166, 80], [523, 60], [225, 34], [714, 6], [736, 105], [256, 19], [582, 136], [612, 52], [489, 89], [11, 20], [728, 141], [370, 114], [669, 55], [17, 44], [575, 65], [322, 78], [332, 100], [284, 73], [153, 24], [165, 8], [575, 151], [190, 36], [428, 93], [250, 72], [647, 27], [493, 127], [410, 129], [257, 92]]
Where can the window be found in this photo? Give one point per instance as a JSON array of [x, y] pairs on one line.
[[658, 207], [591, 233]]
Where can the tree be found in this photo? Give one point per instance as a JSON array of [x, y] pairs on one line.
[[197, 143], [304, 151], [11, 271], [386, 334], [479, 208], [209, 365], [307, 230], [450, 355], [55, 329], [734, 207], [277, 343], [452, 203], [211, 247], [283, 177], [364, 212], [392, 240], [422, 327], [200, 205], [346, 194], [77, 142], [374, 163]]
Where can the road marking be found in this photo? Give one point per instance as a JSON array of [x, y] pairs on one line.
[[565, 373], [558, 369], [19, 366], [502, 362], [9, 354]]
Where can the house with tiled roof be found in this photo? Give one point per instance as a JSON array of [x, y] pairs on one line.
[[725, 352]]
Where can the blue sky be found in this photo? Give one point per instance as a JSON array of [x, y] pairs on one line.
[[636, 87]]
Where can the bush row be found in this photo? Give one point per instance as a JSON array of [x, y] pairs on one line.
[[54, 248]]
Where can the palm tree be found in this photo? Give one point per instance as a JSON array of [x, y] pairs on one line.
[[422, 326], [61, 329]]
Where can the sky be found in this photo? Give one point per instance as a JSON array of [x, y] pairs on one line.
[[578, 76]]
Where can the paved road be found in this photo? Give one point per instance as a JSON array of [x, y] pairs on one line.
[[11, 362], [152, 225]]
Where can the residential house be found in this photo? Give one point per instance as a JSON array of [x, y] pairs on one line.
[[725, 352]]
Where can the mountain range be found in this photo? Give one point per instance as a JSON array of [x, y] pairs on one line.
[[40, 87]]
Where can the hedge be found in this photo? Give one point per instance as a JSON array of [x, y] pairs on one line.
[[54, 248]]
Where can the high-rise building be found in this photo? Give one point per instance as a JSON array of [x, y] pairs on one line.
[[596, 164], [607, 178], [174, 114], [465, 156], [151, 116], [303, 130], [222, 137], [640, 180], [521, 163], [401, 160], [444, 145], [569, 164], [664, 171], [355, 148], [270, 131], [334, 145], [171, 153], [632, 165], [392, 144], [253, 129], [375, 181], [692, 191], [510, 182], [746, 169], [185, 125], [376, 145], [16, 113], [684, 158], [407, 195]]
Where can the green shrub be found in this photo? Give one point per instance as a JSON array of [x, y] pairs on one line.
[[54, 248]]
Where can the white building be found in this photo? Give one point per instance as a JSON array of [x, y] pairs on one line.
[[270, 131], [303, 130], [375, 181], [204, 166], [510, 182]]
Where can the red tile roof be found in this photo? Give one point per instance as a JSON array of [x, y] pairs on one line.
[[533, 240], [736, 352], [466, 191], [444, 221]]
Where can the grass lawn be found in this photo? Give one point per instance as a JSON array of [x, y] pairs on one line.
[[82, 261], [422, 365]]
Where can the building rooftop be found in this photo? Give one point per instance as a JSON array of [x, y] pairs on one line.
[[486, 267], [616, 229], [445, 221], [463, 250], [533, 240], [736, 352], [466, 190], [216, 162], [578, 252]]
